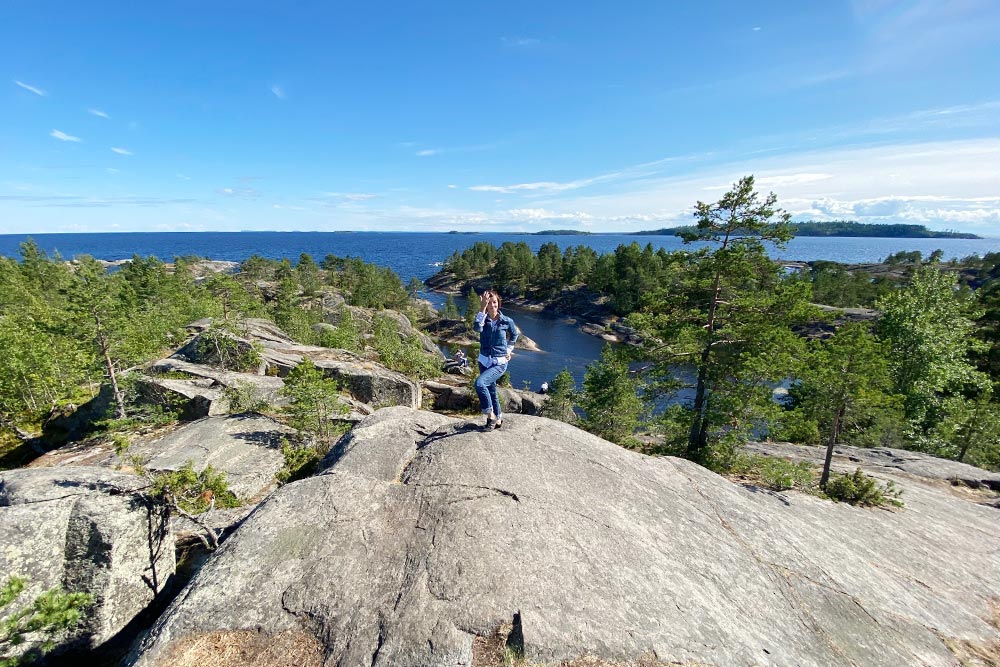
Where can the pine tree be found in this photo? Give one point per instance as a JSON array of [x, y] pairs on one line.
[[610, 398], [472, 306], [450, 311], [729, 317], [49, 616], [839, 378], [562, 395], [314, 401]]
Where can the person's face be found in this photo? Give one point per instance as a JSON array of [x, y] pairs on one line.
[[492, 304]]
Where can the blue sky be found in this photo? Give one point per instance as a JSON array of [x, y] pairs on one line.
[[514, 116]]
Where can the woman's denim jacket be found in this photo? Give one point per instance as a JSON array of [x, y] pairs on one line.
[[493, 336]]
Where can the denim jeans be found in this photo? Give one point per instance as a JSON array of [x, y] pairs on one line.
[[486, 388]]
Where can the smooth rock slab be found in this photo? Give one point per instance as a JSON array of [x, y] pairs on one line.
[[424, 534], [884, 459], [85, 529], [245, 447]]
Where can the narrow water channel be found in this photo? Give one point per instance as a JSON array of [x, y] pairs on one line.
[[562, 343]]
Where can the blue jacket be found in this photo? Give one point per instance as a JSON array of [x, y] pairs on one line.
[[495, 336]]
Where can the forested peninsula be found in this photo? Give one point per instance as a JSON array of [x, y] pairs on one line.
[[846, 228]]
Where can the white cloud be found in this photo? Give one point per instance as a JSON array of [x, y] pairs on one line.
[[428, 152], [934, 183], [452, 186], [278, 92], [98, 112], [540, 214], [121, 151], [756, 28], [36, 91], [62, 136]]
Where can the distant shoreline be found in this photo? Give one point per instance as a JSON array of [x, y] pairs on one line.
[[669, 231], [839, 229]]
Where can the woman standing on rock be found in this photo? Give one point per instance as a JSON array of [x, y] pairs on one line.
[[497, 335]]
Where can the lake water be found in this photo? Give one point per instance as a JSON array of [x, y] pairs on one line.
[[420, 255]]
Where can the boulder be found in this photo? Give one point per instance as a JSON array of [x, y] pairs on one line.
[[424, 537], [245, 447], [371, 383], [85, 529]]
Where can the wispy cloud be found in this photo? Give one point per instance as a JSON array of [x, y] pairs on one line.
[[541, 214], [36, 91], [940, 184], [241, 193], [909, 34], [791, 179], [121, 151], [520, 42], [343, 198], [98, 112], [62, 136], [278, 92], [80, 201], [440, 150], [548, 187], [756, 28]]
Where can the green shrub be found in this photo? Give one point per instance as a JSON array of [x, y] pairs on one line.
[[50, 615], [121, 443], [300, 462], [345, 336], [401, 354], [192, 491], [770, 472], [857, 488], [244, 397], [220, 347], [794, 426]]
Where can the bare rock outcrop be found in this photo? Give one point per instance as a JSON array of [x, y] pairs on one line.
[[365, 380], [885, 460], [424, 536], [203, 390], [90, 530], [247, 448]]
